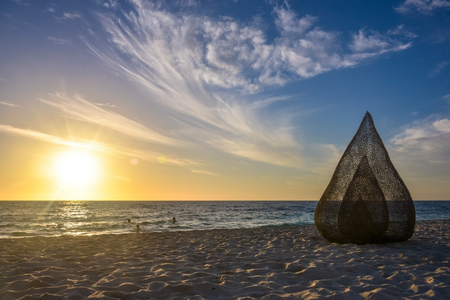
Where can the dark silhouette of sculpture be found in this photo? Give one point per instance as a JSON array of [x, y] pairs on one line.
[[366, 201]]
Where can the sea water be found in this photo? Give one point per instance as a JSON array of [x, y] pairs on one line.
[[56, 218]]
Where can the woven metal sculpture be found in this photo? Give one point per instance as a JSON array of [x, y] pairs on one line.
[[366, 201]]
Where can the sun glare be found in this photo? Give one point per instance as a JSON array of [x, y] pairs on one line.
[[76, 169]]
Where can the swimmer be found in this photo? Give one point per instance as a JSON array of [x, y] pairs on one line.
[[174, 220], [129, 220], [137, 227]]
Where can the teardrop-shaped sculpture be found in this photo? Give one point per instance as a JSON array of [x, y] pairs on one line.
[[366, 201]]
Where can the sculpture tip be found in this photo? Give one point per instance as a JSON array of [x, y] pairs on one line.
[[367, 116]]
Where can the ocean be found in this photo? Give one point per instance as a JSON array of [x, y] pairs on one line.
[[56, 218]]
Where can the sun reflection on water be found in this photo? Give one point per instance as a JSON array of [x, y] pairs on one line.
[[74, 209], [70, 212]]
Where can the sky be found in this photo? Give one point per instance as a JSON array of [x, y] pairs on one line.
[[218, 100]]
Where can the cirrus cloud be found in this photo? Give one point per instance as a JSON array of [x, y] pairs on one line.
[[202, 71], [9, 104], [76, 107], [422, 6]]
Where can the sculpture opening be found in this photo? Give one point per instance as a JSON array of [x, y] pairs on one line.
[[363, 213], [366, 201]]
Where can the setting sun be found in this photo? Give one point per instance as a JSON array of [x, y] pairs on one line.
[[76, 169]]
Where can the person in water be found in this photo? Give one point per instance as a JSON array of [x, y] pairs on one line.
[[174, 220]]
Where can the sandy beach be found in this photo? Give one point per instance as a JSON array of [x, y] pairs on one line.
[[261, 263]]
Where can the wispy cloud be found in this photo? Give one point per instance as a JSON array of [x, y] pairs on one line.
[[121, 178], [202, 72], [28, 133], [107, 104], [59, 41], [107, 3], [367, 44], [401, 31], [78, 108], [421, 151], [135, 155], [9, 104], [425, 139], [438, 69], [65, 16], [71, 16], [21, 2], [205, 172], [422, 6]]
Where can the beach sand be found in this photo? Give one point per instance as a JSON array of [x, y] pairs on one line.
[[261, 263]]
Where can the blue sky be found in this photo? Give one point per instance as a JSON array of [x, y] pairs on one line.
[[229, 100]]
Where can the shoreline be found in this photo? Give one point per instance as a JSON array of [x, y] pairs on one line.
[[142, 230], [287, 262]]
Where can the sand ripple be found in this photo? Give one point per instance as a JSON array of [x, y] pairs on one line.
[[263, 263]]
